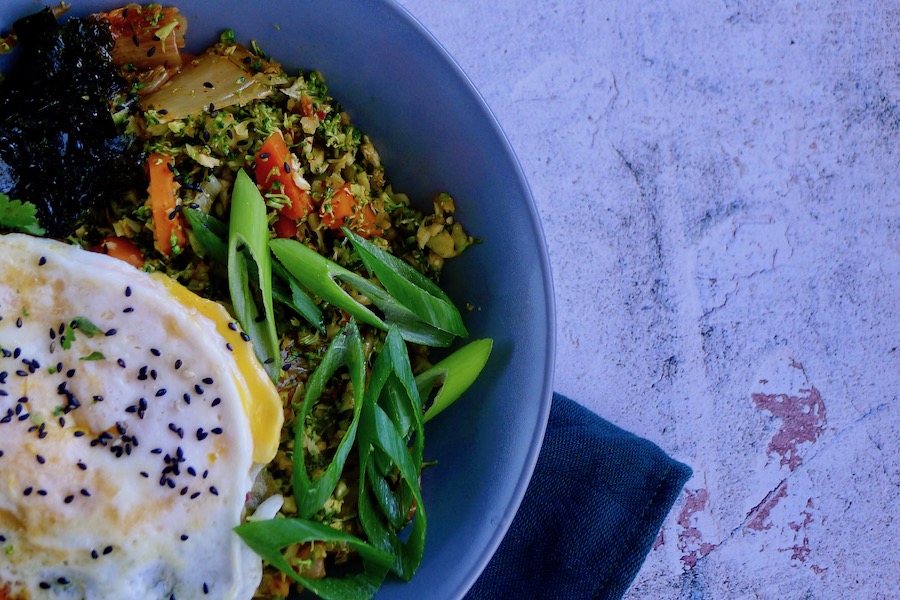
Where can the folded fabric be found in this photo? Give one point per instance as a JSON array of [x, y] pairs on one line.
[[590, 515]]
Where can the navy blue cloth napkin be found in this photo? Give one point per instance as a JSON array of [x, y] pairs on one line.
[[590, 515]]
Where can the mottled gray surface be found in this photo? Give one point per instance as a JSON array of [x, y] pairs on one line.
[[718, 184]]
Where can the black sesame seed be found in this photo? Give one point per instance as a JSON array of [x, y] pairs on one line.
[[198, 388], [216, 430], [151, 51], [208, 84], [41, 460], [153, 374], [163, 111], [62, 581], [111, 332], [136, 41], [187, 398], [128, 309], [195, 495], [245, 337], [42, 261], [160, 392], [155, 352], [27, 491], [287, 167], [183, 491], [70, 373], [201, 435], [107, 550], [205, 474], [269, 361], [178, 364], [19, 322], [42, 492], [156, 451], [213, 491], [216, 402], [208, 380], [232, 326], [68, 499], [184, 537], [205, 589], [128, 291], [79, 433], [144, 474], [131, 409], [52, 334], [264, 155], [44, 585], [95, 555], [85, 493], [81, 466], [229, 347]]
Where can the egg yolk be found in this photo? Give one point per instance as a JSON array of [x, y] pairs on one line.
[[259, 397]]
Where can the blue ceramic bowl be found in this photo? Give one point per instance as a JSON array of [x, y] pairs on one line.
[[435, 133]]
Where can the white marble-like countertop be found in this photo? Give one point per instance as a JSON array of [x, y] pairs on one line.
[[720, 191]]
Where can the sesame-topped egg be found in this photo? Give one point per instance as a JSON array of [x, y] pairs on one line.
[[134, 418]]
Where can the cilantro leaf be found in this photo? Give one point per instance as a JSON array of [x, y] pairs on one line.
[[93, 356], [19, 215]]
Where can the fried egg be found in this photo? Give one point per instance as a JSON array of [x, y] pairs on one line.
[[134, 418]]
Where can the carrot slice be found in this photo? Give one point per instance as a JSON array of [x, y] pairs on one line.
[[344, 210], [285, 227], [273, 174], [123, 249], [168, 224]]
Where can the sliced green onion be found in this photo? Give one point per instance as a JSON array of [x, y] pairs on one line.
[[268, 538], [379, 434], [210, 234], [295, 298], [318, 275], [411, 289], [345, 350], [454, 374], [248, 238]]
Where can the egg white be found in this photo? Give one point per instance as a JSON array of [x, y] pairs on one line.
[[127, 452]]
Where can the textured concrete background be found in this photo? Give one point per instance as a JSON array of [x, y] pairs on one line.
[[718, 183]]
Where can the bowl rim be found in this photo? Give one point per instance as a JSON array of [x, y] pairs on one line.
[[528, 468]]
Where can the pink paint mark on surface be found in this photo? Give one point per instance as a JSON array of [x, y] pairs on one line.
[[690, 539], [759, 514], [803, 420], [818, 570], [800, 551], [807, 518], [659, 541]]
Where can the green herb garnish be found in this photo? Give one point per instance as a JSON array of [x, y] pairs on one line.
[[19, 215]]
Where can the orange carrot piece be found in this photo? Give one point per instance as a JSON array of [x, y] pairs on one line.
[[123, 249], [343, 210], [168, 224], [273, 174], [285, 227]]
